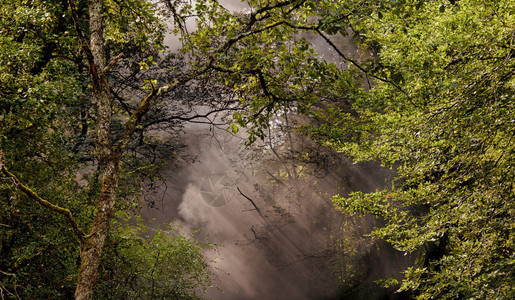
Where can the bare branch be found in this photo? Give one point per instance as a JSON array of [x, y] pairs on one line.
[[251, 201], [190, 118], [113, 62], [276, 179]]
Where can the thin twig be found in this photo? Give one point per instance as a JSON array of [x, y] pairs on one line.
[[251, 201]]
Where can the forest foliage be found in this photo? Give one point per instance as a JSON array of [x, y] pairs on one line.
[[430, 94], [442, 115]]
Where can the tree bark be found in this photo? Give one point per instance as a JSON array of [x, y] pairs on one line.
[[91, 250], [108, 159]]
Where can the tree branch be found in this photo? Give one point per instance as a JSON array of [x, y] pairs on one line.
[[31, 194], [357, 65], [135, 118], [190, 118], [113, 62], [251, 201], [82, 39]]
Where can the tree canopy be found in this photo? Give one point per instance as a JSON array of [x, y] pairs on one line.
[[430, 94], [441, 114]]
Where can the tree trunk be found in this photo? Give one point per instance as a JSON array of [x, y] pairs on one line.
[[108, 159], [91, 250]]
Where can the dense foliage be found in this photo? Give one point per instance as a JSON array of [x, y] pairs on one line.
[[443, 117], [431, 95], [38, 253], [146, 263]]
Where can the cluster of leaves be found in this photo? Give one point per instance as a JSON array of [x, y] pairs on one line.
[[442, 114], [38, 256], [144, 263]]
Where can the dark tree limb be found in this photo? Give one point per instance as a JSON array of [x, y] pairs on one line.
[[251, 201], [113, 62], [82, 39]]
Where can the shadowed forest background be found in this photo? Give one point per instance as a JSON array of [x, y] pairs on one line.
[[257, 150]]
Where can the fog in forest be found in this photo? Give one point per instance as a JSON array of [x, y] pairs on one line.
[[268, 209], [279, 237]]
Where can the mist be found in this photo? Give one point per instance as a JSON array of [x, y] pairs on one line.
[[268, 209], [278, 237]]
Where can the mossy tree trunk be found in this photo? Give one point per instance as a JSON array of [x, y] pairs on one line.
[[91, 250], [108, 158]]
